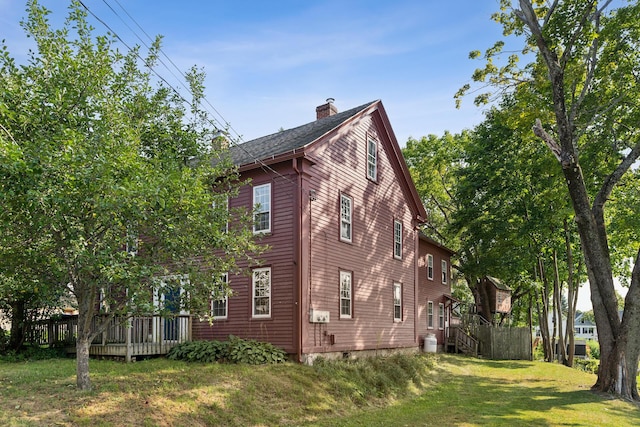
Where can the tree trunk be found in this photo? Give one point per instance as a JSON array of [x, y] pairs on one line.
[[618, 348], [18, 324], [611, 376], [572, 299], [86, 297], [543, 314], [83, 381], [627, 384], [557, 298]]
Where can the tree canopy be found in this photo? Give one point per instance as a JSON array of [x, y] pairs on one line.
[[109, 178], [582, 79]]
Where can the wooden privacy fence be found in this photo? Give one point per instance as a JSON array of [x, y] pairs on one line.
[[504, 343], [124, 336]]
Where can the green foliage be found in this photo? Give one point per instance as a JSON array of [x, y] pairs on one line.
[[361, 379], [4, 340], [97, 156], [233, 350], [199, 351], [587, 365], [253, 352], [31, 353], [538, 351], [593, 349]]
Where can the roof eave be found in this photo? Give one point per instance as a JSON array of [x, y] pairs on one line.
[[293, 154]]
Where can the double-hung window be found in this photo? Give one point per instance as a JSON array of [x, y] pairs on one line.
[[430, 267], [219, 300], [261, 300], [430, 314], [262, 208], [372, 159], [346, 289], [346, 208], [397, 239], [444, 272], [397, 302], [441, 316]]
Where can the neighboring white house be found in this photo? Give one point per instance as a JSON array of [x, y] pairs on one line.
[[584, 328]]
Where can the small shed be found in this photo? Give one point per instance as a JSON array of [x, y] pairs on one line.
[[498, 293]]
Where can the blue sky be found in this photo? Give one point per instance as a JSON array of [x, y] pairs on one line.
[[269, 64]]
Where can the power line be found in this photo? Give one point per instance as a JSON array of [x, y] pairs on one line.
[[212, 120], [225, 123]]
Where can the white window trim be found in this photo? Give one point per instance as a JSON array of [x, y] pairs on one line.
[[440, 316], [372, 158], [429, 266], [349, 221], [397, 287], [397, 239], [445, 271], [345, 274], [253, 293], [225, 299], [256, 205], [429, 314]]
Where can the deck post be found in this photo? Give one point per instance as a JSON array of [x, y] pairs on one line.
[[128, 344], [50, 333]]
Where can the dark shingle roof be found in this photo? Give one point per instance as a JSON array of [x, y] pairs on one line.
[[291, 139]]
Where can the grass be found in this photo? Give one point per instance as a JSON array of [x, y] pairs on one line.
[[438, 390]]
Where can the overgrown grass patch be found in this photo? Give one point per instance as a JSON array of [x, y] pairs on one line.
[[403, 390]]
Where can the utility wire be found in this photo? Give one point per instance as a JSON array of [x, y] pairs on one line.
[[227, 124], [212, 120]]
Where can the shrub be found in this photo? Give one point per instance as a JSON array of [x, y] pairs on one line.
[[587, 365], [234, 350], [199, 351], [593, 349], [253, 352], [32, 352], [4, 340]]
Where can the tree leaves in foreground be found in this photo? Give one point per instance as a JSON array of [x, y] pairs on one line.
[[99, 191]]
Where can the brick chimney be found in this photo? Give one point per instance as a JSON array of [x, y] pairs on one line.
[[326, 110]]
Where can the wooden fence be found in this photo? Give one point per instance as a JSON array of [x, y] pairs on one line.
[[503, 342]]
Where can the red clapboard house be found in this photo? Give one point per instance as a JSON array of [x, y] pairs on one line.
[[347, 270]]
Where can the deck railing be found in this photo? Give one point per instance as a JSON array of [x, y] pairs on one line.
[[126, 336]]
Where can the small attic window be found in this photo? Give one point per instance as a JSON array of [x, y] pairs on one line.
[[372, 158]]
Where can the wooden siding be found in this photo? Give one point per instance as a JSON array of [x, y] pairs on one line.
[[279, 327], [341, 168], [307, 255], [432, 290]]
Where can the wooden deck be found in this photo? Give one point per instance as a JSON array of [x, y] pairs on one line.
[[126, 337]]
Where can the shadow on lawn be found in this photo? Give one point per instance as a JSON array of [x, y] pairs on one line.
[[497, 398], [470, 399]]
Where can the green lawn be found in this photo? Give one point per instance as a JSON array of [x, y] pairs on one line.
[[453, 391]]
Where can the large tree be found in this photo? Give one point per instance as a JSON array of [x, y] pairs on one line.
[[586, 63], [109, 179]]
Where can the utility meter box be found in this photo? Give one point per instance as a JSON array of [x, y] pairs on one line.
[[318, 316]]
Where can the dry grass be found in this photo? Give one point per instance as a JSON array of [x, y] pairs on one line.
[[159, 392]]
